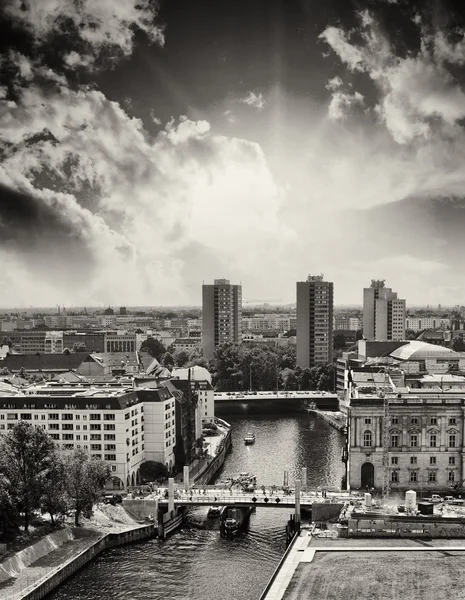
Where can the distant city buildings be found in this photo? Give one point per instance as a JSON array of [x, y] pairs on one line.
[[221, 314], [314, 321], [422, 323], [383, 313]]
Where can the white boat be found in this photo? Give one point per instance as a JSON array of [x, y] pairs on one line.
[[249, 438]]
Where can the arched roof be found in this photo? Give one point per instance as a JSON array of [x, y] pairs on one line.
[[416, 350]]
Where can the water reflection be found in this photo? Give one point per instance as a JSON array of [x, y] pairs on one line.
[[196, 563]]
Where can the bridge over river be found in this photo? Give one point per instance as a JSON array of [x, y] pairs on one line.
[[269, 498], [325, 399]]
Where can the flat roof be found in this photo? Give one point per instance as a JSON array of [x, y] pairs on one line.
[[376, 568]]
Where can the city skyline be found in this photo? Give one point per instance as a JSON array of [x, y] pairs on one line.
[[145, 150]]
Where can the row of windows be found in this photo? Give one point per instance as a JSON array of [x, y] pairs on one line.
[[56, 417], [414, 421], [413, 440], [414, 477], [413, 460]]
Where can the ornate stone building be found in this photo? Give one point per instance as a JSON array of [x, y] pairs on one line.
[[425, 431]]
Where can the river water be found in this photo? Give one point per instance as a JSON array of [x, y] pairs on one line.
[[195, 563]]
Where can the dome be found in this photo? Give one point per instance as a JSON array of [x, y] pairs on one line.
[[417, 350]]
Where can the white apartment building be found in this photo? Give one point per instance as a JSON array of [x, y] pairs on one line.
[[383, 313], [266, 322], [53, 342], [109, 422], [420, 323]]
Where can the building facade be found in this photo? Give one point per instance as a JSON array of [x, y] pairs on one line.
[[120, 341], [383, 313], [425, 432], [314, 321], [221, 315], [110, 423]]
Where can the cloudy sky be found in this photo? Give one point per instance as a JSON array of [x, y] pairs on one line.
[[148, 147]]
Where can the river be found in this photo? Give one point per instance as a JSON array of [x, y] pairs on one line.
[[195, 563]]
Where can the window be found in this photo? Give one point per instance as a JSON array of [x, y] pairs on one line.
[[414, 440], [451, 476], [109, 427], [12, 416], [53, 426], [67, 426], [55, 436], [110, 447], [96, 446], [95, 427], [432, 460], [109, 436], [395, 477], [109, 417], [413, 460], [432, 476], [432, 440], [452, 441], [66, 417], [452, 460], [394, 440], [433, 421], [110, 457], [53, 416], [367, 439], [68, 436], [36, 417], [367, 421], [94, 418], [394, 460], [453, 421], [395, 420], [95, 436], [26, 417], [414, 420], [413, 476]]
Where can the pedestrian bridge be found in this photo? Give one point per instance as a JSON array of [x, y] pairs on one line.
[[270, 498], [274, 395]]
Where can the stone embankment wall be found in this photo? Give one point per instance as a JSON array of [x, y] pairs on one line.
[[14, 565], [205, 476], [109, 540], [141, 509]]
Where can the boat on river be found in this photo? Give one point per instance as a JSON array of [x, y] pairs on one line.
[[249, 439], [233, 520], [215, 511]]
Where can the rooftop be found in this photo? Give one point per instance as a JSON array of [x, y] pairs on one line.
[[417, 350]]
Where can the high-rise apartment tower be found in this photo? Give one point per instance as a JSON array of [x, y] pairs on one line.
[[383, 313], [221, 315], [314, 321]]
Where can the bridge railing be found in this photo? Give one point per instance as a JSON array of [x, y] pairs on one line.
[[228, 499]]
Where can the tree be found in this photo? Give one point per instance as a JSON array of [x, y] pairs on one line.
[[181, 358], [154, 347], [79, 347], [85, 481], [54, 499], [167, 360], [6, 341], [67, 351], [27, 453], [410, 334], [9, 515], [153, 471], [358, 335], [339, 341], [458, 344]]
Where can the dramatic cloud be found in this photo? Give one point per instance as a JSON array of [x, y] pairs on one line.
[[417, 93], [96, 26], [255, 100], [341, 103]]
